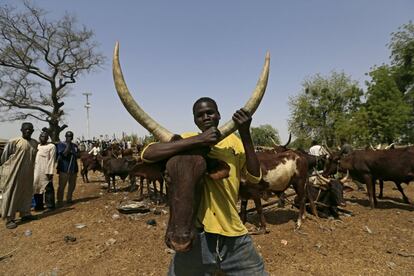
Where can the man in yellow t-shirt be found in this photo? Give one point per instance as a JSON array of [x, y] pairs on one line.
[[223, 243]]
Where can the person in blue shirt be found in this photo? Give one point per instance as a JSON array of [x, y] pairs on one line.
[[67, 168]]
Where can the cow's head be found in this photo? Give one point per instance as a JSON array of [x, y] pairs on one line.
[[331, 164], [334, 190], [185, 170]]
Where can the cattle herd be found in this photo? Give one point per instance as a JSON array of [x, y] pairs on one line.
[[318, 192], [282, 168]]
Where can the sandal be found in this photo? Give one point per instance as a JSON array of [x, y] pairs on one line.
[[11, 224], [28, 218]]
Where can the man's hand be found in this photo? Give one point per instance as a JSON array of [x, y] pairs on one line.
[[209, 137], [243, 119]]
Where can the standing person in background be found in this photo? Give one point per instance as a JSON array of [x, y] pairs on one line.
[[320, 153], [95, 150], [16, 182], [346, 148], [43, 173], [67, 168]]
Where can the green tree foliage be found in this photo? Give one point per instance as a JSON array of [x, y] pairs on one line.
[[39, 60], [325, 110], [264, 135], [388, 111], [402, 61]]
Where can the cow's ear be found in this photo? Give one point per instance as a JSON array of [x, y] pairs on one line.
[[348, 189], [176, 137], [217, 169]]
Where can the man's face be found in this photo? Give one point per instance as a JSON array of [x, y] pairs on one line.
[[27, 130], [206, 115], [69, 136], [43, 138]]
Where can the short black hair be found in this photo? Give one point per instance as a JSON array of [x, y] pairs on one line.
[[69, 133], [205, 99], [27, 124]]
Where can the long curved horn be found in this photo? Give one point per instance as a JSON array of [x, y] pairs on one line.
[[273, 141], [345, 178], [325, 146], [254, 101], [131, 105], [326, 180], [288, 142], [390, 146]]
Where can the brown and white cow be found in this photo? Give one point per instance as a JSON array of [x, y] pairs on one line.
[[182, 189], [280, 171]]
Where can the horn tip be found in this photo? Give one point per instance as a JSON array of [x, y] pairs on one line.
[[267, 54]]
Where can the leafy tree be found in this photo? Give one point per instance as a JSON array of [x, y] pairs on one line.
[[39, 60], [265, 135], [387, 109], [402, 61], [324, 108]]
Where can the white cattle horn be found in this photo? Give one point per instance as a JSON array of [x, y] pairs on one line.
[[254, 101], [132, 106], [156, 129]]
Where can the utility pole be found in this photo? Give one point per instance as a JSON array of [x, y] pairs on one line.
[[87, 106]]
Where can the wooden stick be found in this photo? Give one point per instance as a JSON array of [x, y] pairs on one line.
[[7, 254], [270, 203]]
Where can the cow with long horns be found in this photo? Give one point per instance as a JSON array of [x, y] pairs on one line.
[[207, 201]]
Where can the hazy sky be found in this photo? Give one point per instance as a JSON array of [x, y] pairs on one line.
[[173, 52]]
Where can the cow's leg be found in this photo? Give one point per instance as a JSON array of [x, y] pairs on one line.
[[86, 176], [368, 181], [108, 180], [149, 188], [259, 209], [374, 182], [300, 191], [83, 175], [133, 185], [161, 187], [154, 184], [114, 182], [243, 213], [405, 198], [311, 200], [381, 184], [141, 184]]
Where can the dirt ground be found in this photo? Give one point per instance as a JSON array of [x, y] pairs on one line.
[[372, 242]]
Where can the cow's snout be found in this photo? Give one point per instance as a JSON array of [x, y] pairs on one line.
[[180, 243]]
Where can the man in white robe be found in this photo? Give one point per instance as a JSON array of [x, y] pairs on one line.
[[16, 180], [43, 173]]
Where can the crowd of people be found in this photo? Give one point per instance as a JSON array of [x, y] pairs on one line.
[[26, 173]]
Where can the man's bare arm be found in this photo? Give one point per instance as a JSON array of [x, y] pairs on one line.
[[243, 120], [160, 151]]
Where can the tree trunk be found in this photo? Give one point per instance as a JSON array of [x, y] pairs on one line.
[[54, 130]]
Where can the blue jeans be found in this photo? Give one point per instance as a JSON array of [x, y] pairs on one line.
[[212, 253]]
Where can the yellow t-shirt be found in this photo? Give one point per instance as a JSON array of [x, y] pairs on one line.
[[217, 211]]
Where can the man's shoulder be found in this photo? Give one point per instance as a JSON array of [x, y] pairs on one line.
[[232, 141], [188, 134]]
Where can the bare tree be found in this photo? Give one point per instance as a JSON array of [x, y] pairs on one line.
[[39, 60]]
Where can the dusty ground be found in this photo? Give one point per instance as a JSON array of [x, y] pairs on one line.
[[372, 242]]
